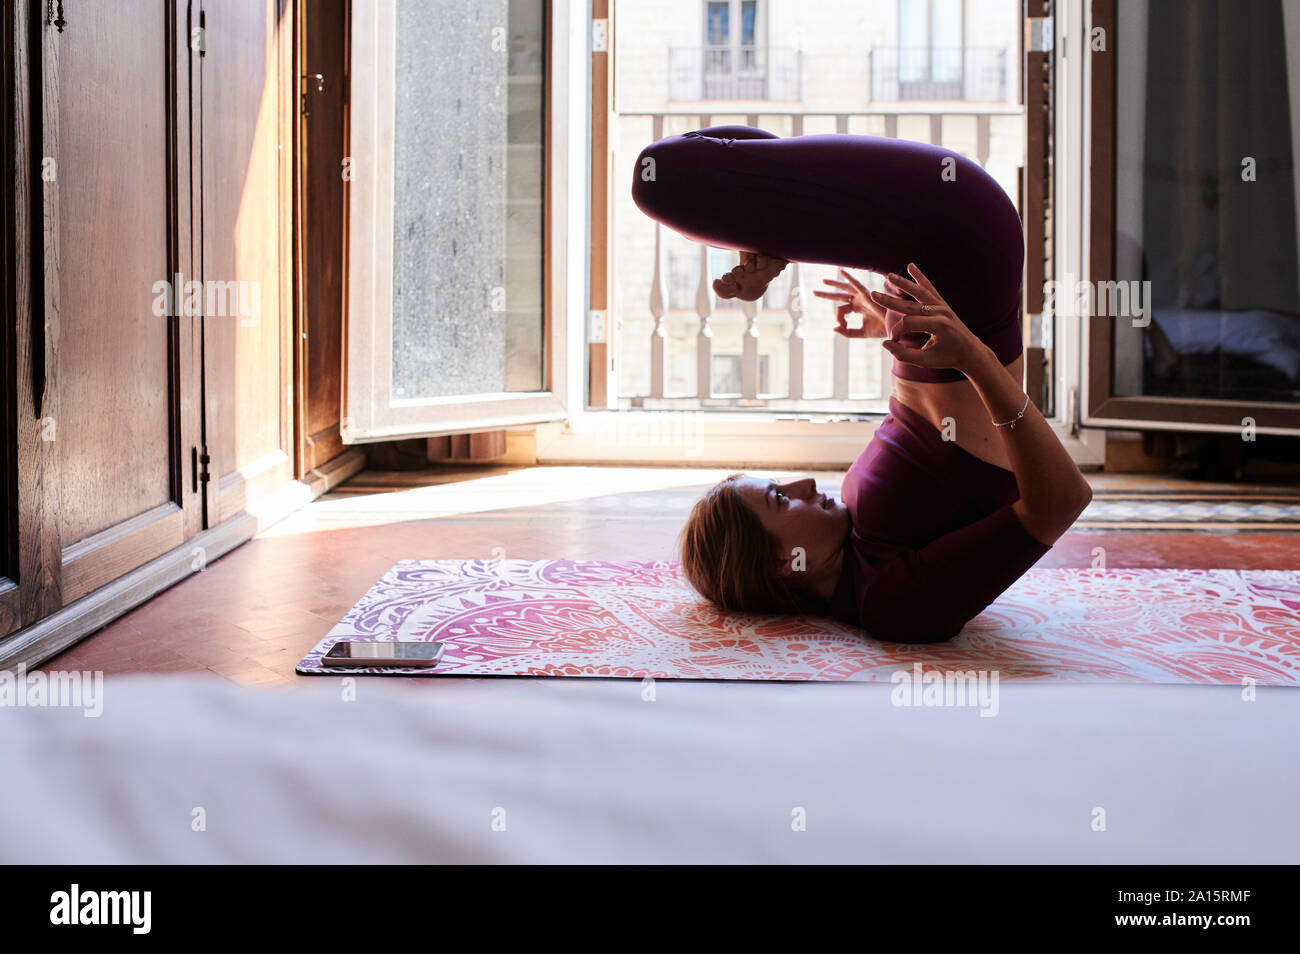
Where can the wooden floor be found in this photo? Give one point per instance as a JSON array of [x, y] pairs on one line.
[[251, 615]]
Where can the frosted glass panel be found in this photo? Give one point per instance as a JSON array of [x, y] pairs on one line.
[[467, 216]]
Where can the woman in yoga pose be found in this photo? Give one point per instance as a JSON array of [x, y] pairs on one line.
[[964, 486]]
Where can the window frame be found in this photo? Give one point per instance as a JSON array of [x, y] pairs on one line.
[[370, 411]]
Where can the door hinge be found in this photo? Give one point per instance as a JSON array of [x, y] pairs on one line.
[[595, 327], [600, 35], [199, 468]]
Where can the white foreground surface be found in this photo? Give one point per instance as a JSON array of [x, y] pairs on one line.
[[584, 770]]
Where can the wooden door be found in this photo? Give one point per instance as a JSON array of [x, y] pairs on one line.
[[246, 102], [319, 260], [117, 410], [10, 596]]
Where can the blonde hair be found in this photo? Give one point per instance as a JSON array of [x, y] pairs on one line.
[[730, 559]]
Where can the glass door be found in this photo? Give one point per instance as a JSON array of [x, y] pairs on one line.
[[1194, 297], [448, 327]]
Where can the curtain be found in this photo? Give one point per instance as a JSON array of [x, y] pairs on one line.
[[1217, 94]]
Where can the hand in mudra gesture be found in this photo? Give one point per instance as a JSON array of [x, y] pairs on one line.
[[951, 344], [854, 299]]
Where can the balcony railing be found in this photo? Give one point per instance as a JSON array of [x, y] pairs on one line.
[[683, 349], [970, 73], [734, 72]]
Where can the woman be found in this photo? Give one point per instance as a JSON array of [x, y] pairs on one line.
[[963, 486]]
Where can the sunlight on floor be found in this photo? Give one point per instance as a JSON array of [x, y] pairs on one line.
[[424, 495]]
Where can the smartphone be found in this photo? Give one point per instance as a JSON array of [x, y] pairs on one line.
[[382, 654]]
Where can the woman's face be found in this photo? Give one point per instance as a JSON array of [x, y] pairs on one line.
[[796, 514]]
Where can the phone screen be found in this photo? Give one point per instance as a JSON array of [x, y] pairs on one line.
[[382, 651]]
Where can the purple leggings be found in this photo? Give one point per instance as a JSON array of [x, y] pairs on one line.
[[855, 201]]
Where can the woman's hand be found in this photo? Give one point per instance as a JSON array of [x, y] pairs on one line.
[[951, 344], [854, 299]]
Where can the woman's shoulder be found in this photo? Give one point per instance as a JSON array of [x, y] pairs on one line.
[[867, 596]]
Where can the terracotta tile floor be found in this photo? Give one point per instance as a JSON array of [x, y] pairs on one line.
[[251, 615]]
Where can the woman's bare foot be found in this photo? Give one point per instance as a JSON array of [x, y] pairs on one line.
[[749, 280]]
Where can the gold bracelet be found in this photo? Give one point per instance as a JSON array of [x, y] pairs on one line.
[[1012, 423]]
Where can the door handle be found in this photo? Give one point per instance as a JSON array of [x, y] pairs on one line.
[[55, 18]]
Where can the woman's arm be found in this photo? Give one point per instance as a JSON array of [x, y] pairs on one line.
[[1052, 490]]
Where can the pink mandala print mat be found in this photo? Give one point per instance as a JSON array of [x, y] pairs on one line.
[[637, 619]]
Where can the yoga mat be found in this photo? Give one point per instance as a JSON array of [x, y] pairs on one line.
[[638, 619]]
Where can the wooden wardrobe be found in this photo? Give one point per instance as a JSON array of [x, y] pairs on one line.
[[151, 423]]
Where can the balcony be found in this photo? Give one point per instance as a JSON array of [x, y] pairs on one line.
[[968, 73], [734, 73]]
